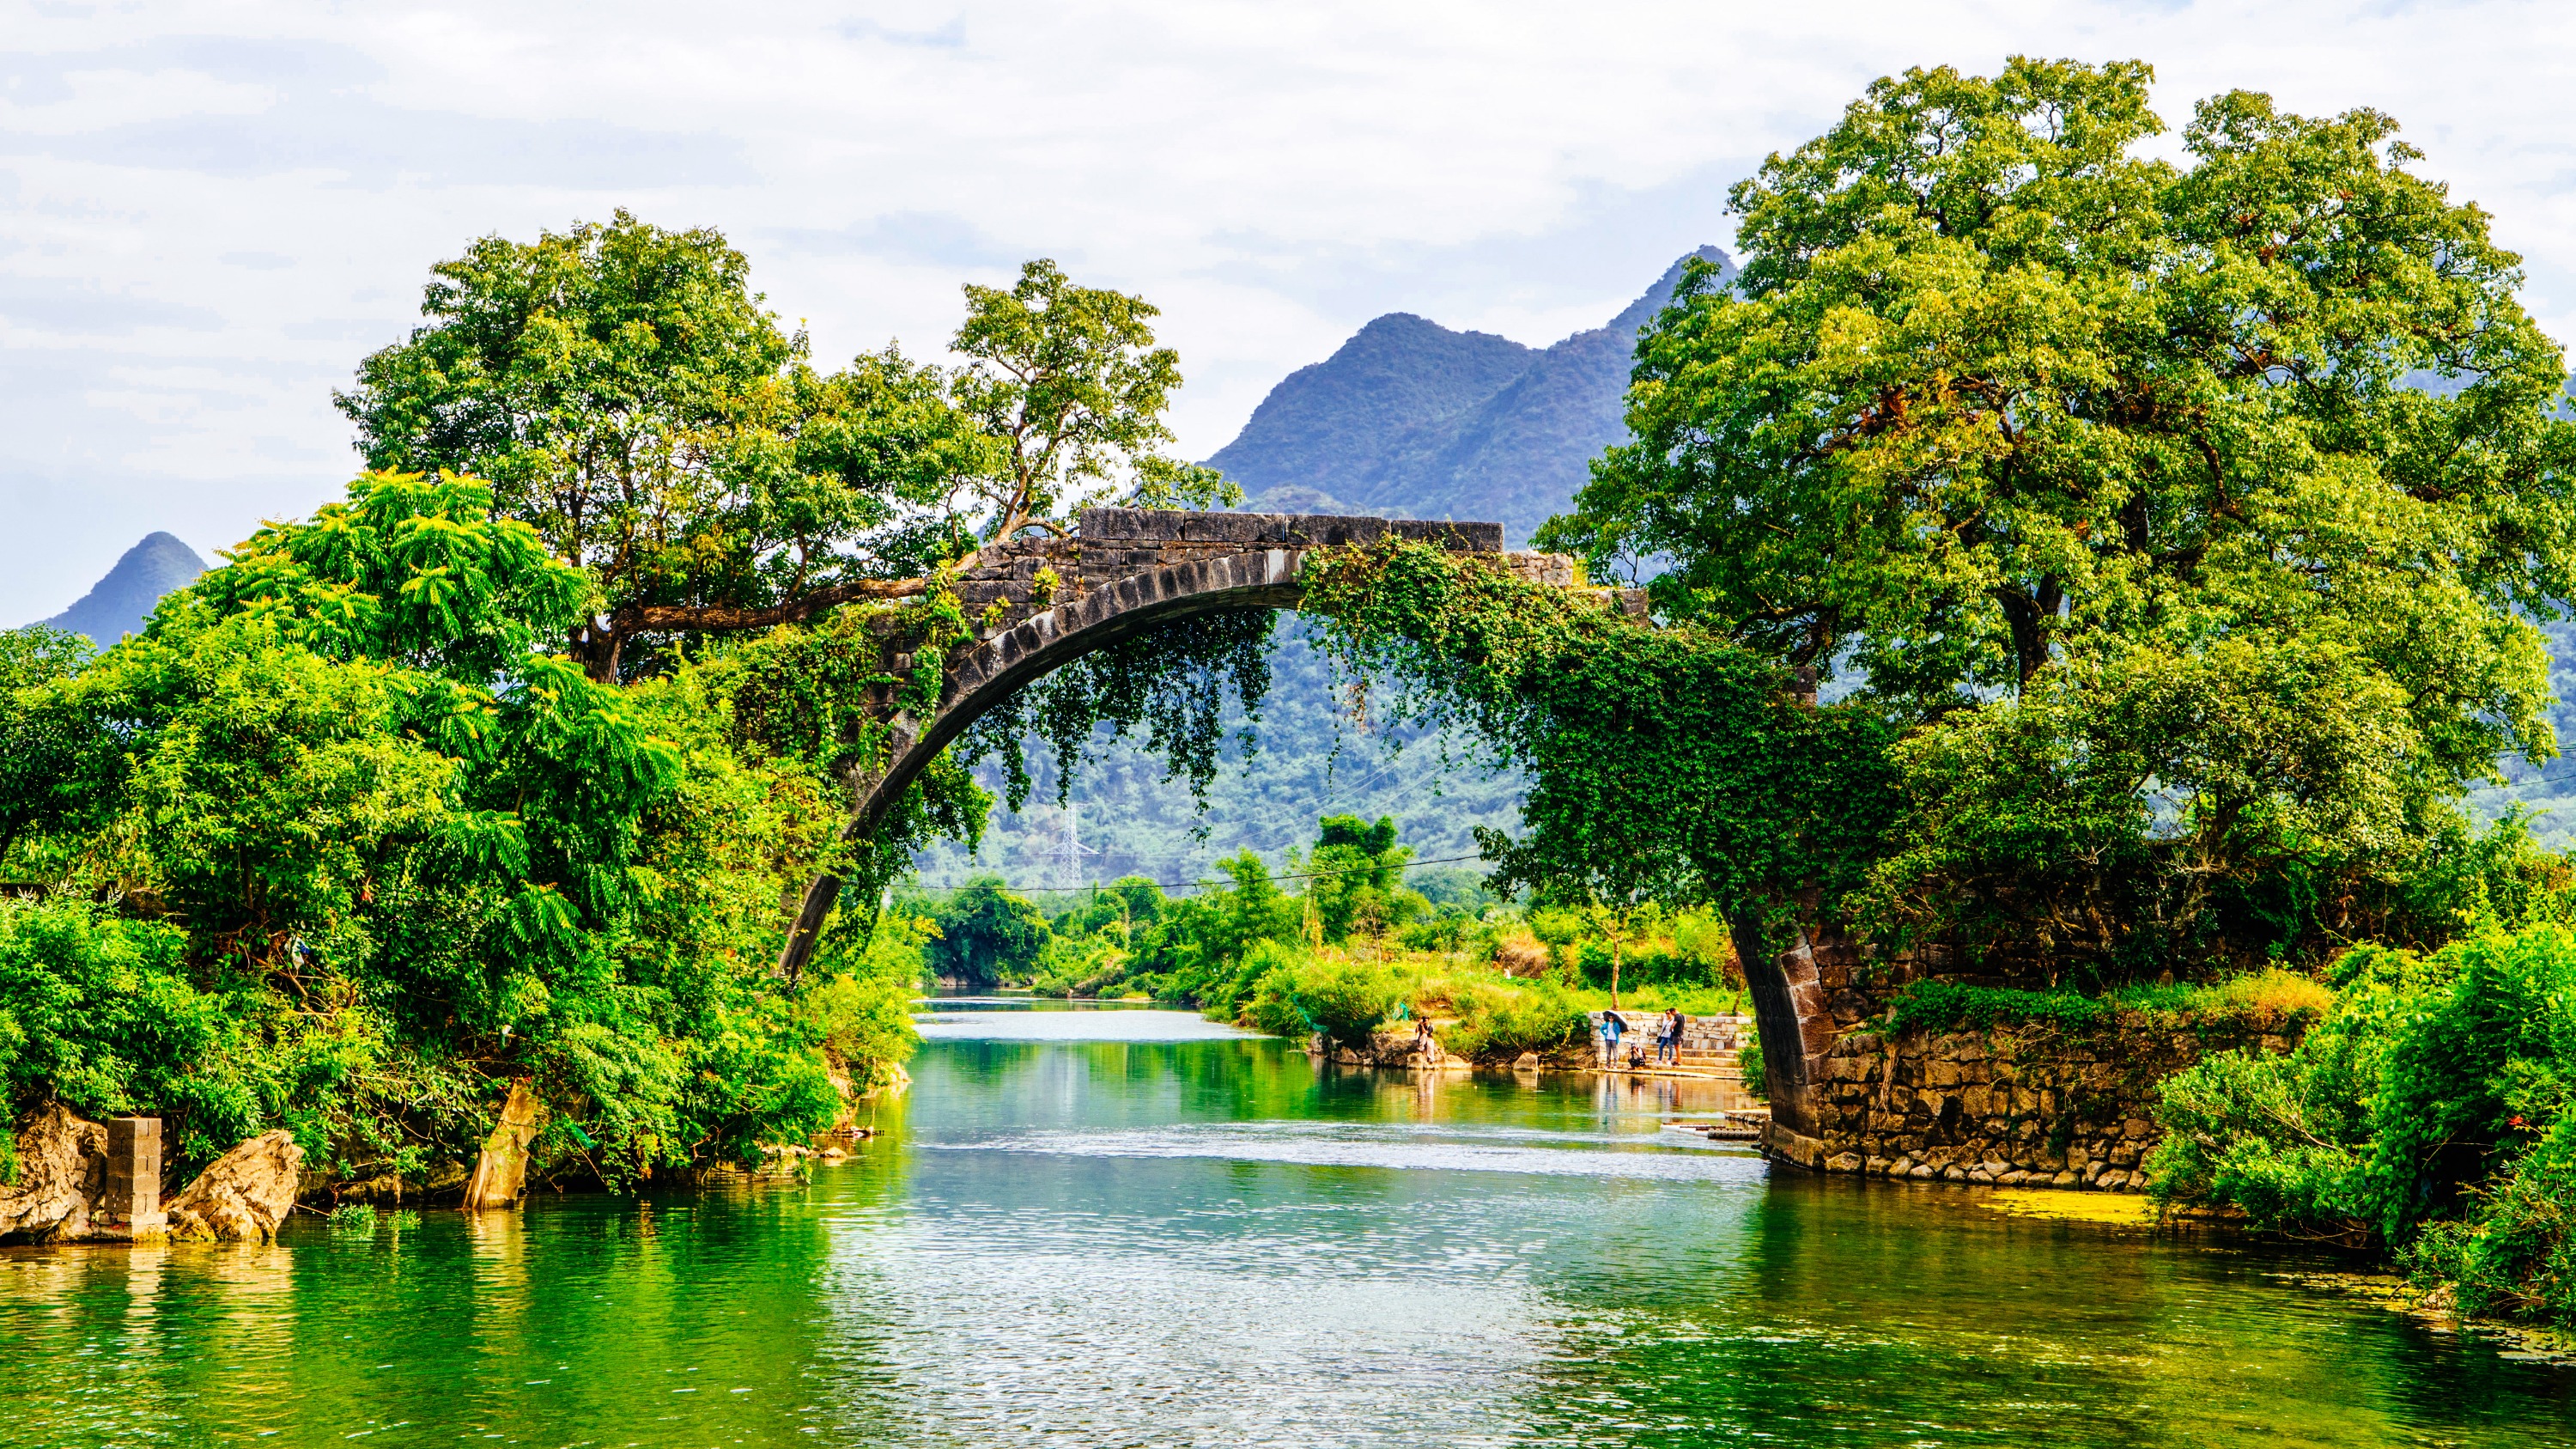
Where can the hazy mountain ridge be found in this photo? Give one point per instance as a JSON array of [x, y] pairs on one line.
[[1412, 419], [118, 604]]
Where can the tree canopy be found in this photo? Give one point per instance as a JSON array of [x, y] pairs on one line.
[[2188, 517], [628, 396], [331, 846]]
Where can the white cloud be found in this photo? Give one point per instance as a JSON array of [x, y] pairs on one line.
[[1271, 174]]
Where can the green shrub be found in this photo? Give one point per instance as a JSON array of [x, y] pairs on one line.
[[1938, 1006], [1496, 1025], [1750, 1066], [1346, 1001], [2515, 1255], [2429, 1111], [99, 1010], [1292, 995], [1273, 1006], [353, 1217]]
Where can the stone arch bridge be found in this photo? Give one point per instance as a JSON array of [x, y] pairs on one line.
[[1121, 572], [1125, 571]]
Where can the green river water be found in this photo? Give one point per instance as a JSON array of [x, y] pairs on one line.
[[1181, 1236]]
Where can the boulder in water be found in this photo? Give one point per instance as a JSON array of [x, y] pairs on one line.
[[244, 1194], [62, 1170]]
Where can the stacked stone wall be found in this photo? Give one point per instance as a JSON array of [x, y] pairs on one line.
[[2028, 1106]]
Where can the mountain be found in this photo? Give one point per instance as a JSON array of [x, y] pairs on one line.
[[119, 603], [1410, 419]]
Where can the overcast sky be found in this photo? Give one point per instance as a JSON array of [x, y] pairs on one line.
[[210, 212]]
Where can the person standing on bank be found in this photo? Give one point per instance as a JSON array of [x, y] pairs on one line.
[[1613, 1026], [1668, 1039]]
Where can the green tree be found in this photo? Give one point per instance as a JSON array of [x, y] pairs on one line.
[[1356, 877], [409, 569], [987, 934], [627, 395], [2117, 482], [45, 759], [353, 889], [1068, 379]]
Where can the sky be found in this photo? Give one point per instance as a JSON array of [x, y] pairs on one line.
[[209, 212]]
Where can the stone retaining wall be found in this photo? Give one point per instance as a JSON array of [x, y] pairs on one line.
[[2026, 1106]]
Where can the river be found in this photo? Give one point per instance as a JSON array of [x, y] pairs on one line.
[[1134, 1228]]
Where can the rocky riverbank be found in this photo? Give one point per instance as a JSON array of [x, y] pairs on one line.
[[82, 1181]]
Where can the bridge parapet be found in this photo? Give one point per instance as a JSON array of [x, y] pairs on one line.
[[1111, 545]]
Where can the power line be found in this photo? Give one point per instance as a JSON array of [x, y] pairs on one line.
[[1183, 884]]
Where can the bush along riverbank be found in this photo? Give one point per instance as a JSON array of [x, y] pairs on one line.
[[333, 850], [2429, 1113]]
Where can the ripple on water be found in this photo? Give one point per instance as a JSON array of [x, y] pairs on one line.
[[1394, 1146]]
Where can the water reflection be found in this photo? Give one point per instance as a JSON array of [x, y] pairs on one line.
[[1156, 1242]]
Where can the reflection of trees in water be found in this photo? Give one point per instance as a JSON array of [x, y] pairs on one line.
[[1844, 1312]]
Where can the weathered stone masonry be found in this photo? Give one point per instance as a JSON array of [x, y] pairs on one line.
[[2031, 1105]]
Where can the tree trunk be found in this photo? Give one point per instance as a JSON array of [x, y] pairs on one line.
[[501, 1169]]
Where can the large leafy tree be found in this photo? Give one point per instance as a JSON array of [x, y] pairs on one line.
[[631, 398], [363, 850], [986, 932], [1068, 380], [2189, 514], [627, 394]]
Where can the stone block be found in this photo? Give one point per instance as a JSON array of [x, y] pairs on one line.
[[1843, 1162], [1144, 523], [1548, 570], [131, 1204], [1244, 528]]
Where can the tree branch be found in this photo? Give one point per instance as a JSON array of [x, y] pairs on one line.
[[720, 618]]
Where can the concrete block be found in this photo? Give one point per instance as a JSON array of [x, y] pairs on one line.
[[131, 1205]]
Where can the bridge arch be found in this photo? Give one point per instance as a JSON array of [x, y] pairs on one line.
[[1124, 571]]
